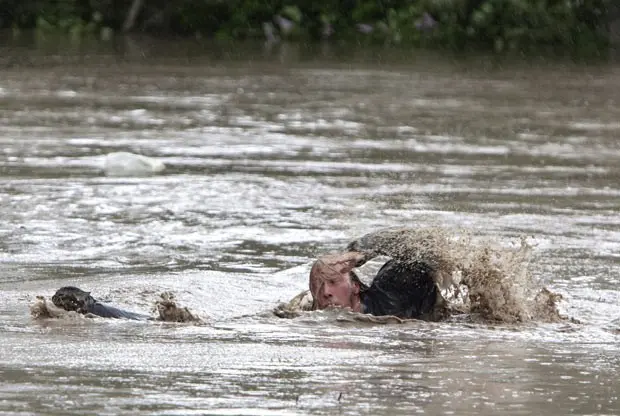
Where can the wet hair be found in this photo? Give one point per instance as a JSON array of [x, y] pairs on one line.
[[334, 265]]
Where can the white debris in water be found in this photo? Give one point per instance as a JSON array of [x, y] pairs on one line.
[[130, 164], [594, 125], [66, 93]]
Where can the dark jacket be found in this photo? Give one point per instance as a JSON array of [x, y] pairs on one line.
[[406, 290]]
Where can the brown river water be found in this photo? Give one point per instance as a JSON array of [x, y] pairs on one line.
[[273, 157]]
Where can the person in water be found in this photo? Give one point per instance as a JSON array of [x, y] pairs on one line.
[[405, 289]]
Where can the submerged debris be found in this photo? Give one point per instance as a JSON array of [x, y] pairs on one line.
[[295, 307], [165, 307], [43, 309], [170, 312]]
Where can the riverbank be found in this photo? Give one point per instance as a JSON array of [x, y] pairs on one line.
[[517, 26], [34, 49]]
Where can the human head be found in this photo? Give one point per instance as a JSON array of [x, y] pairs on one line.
[[333, 284]]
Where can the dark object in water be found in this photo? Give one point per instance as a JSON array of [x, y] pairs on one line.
[[407, 286], [71, 298], [406, 290]]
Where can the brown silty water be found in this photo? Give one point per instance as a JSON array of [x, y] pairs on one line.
[[506, 171]]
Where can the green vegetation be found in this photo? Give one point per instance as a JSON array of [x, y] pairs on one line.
[[499, 25]]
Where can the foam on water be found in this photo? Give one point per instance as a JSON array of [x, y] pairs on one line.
[[130, 164]]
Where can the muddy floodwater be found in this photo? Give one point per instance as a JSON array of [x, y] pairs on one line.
[[273, 157]]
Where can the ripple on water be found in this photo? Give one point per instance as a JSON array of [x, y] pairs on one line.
[[267, 167]]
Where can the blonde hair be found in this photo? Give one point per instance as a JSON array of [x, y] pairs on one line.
[[334, 265]]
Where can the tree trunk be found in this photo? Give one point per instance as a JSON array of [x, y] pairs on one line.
[[130, 20]]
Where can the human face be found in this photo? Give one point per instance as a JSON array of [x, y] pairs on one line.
[[336, 291], [331, 283]]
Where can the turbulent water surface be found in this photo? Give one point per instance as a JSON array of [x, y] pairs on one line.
[[272, 158]]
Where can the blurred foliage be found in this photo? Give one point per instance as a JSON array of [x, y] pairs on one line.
[[500, 25]]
